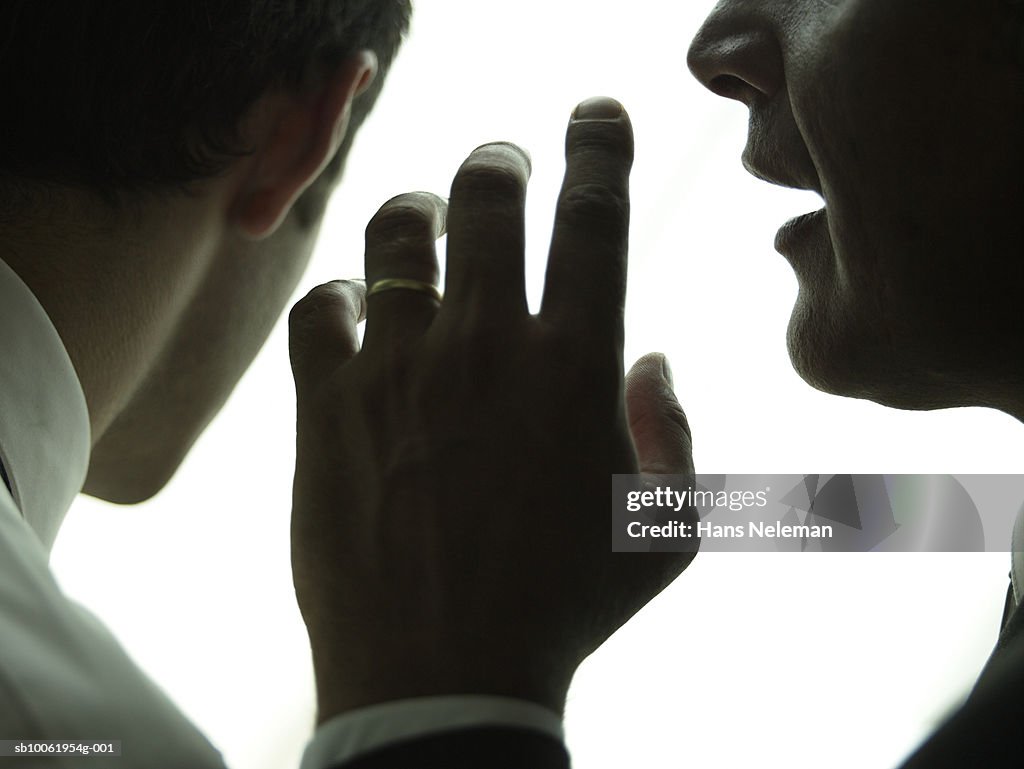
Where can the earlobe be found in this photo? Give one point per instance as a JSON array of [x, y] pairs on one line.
[[297, 136]]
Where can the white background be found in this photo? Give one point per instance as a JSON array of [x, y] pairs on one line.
[[773, 660]]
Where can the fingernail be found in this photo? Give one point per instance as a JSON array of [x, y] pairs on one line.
[[598, 108], [666, 371]]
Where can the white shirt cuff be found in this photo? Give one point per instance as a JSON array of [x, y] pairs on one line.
[[351, 734]]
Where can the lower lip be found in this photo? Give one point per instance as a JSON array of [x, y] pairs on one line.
[[799, 231]]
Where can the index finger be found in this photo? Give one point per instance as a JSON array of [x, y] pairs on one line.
[[585, 284]]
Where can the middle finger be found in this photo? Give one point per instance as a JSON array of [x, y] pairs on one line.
[[484, 273]]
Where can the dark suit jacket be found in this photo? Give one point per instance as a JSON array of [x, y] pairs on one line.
[[987, 732]]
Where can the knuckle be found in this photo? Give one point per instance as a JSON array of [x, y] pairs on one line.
[[676, 416], [595, 205], [595, 198]]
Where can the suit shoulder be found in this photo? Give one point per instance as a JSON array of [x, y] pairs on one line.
[[986, 730]]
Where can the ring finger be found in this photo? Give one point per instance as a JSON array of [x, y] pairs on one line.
[[401, 268]]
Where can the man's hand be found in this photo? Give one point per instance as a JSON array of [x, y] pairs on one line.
[[451, 528]]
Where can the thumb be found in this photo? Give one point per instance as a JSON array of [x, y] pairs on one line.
[[657, 423]]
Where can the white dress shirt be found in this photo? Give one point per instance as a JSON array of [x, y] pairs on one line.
[[62, 674]]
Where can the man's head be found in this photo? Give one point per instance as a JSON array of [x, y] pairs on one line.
[[907, 118], [163, 170], [123, 97]]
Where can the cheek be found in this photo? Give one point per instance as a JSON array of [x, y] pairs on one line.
[[241, 299], [215, 339], [914, 128]]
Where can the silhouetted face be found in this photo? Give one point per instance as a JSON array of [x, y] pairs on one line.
[[907, 116]]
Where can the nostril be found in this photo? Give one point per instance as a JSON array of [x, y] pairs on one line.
[[732, 87], [738, 56]]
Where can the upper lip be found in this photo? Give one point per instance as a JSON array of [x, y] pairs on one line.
[[776, 150], [774, 167]]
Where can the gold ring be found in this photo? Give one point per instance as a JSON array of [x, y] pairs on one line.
[[407, 284]]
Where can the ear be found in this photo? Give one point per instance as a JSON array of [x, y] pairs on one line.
[[296, 134]]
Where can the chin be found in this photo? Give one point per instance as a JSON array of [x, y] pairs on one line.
[[124, 476], [127, 486], [838, 362]]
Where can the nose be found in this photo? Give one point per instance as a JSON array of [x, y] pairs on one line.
[[736, 54]]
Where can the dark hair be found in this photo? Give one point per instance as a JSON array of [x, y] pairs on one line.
[[117, 95]]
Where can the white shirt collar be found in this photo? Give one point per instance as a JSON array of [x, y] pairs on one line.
[[44, 424]]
